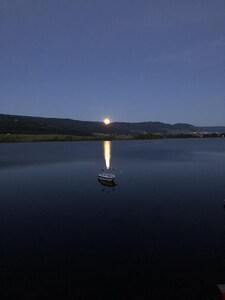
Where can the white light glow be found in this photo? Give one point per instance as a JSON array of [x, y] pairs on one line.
[[107, 153], [106, 121]]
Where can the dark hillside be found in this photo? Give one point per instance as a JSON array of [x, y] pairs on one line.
[[14, 124]]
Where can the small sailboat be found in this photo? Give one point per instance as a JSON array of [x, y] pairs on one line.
[[107, 175]]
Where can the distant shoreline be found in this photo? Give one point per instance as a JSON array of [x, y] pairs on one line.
[[19, 138]]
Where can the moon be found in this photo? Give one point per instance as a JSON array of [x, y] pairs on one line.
[[106, 121]]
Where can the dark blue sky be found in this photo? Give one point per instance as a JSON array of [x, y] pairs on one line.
[[129, 60]]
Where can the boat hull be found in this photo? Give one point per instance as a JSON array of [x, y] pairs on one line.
[[107, 177]]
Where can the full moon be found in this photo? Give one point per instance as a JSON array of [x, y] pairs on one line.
[[106, 121]]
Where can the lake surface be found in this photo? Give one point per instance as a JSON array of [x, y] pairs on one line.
[[159, 234]]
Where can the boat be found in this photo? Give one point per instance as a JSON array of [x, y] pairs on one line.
[[107, 175]]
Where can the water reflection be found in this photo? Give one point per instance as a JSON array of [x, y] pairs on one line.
[[107, 153], [107, 183]]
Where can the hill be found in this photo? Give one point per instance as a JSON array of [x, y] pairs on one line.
[[15, 124]]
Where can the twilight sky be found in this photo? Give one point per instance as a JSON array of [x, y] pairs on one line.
[[129, 60]]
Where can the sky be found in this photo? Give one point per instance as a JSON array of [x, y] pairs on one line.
[[129, 60]]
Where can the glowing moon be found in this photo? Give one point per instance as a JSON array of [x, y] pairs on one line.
[[106, 121]]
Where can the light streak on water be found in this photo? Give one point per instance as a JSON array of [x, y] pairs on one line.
[[107, 153]]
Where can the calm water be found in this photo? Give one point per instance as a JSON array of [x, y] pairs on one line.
[[160, 233]]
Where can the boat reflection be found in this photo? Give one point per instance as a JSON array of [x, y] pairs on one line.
[[111, 183], [107, 177]]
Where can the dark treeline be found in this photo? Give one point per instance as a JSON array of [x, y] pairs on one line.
[[12, 124]]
